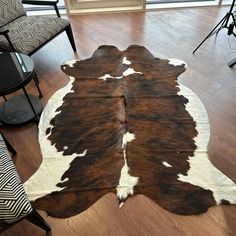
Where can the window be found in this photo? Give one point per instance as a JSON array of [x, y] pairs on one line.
[[173, 1], [82, 6], [158, 4], [85, 6]]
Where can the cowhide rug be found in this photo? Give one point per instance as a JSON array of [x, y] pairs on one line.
[[125, 124]]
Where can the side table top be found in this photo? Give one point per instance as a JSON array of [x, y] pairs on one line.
[[16, 71]]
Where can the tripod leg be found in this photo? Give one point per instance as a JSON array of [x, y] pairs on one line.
[[211, 33], [232, 63]]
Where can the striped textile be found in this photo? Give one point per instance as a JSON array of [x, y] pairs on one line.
[[14, 203], [30, 32], [10, 10]]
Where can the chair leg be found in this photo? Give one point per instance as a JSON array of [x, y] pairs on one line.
[[57, 11], [37, 219], [71, 37], [9, 146]]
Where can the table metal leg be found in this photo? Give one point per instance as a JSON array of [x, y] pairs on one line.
[[37, 85], [36, 79], [31, 105]]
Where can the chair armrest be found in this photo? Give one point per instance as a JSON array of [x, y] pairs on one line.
[[5, 32], [41, 2], [45, 3]]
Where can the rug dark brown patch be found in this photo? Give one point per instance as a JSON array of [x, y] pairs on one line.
[[124, 124]]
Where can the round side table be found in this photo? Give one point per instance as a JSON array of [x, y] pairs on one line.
[[17, 70]]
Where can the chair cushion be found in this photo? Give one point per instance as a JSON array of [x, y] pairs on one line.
[[10, 10], [29, 32], [14, 203]]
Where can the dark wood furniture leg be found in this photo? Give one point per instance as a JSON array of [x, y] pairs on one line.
[[71, 37], [38, 220], [57, 10], [8, 145]]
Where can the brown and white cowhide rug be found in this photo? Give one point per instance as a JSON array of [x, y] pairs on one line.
[[125, 124]]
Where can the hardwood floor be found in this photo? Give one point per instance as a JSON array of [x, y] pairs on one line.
[[167, 34]]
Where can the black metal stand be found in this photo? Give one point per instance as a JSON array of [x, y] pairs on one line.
[[232, 63], [223, 23]]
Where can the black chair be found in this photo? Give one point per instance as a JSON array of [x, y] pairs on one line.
[[14, 203], [44, 2], [27, 34]]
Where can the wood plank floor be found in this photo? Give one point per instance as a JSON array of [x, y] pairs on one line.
[[167, 34]]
